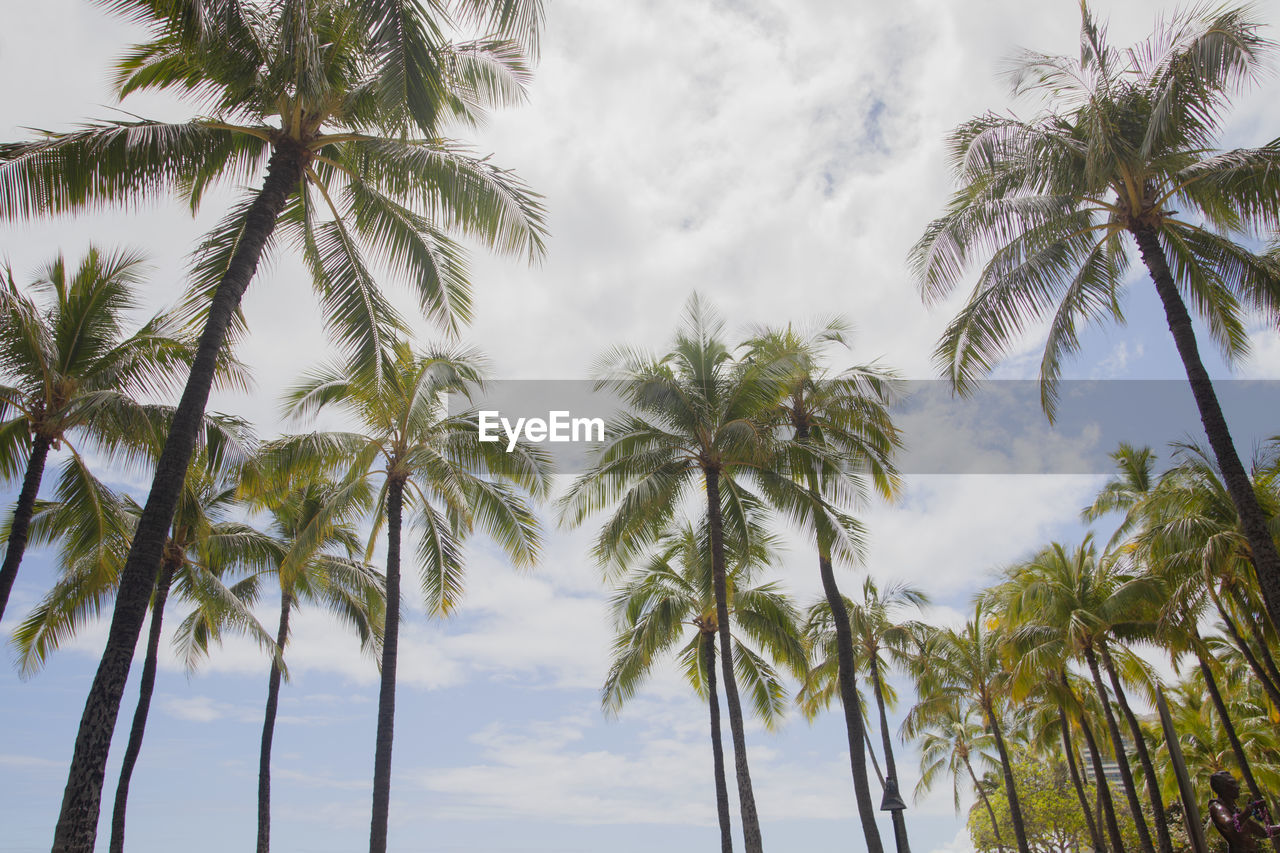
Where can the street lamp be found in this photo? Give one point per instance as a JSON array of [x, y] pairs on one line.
[[892, 803]]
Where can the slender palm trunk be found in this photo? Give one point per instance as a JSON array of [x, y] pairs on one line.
[[751, 838], [1242, 760], [387, 691], [145, 689], [17, 543], [871, 753], [1257, 632], [890, 766], [986, 801], [852, 702], [708, 645], [1266, 560], [1158, 817], [1241, 643], [1106, 806], [1068, 749], [1010, 789], [77, 825], [269, 728], [1122, 758]]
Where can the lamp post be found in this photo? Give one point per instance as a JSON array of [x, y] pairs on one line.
[[892, 803]]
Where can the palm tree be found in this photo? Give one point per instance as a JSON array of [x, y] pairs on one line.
[[696, 417], [1125, 148], [840, 422], [673, 590], [950, 743], [72, 374], [876, 635], [309, 520], [431, 463], [341, 104], [961, 666]]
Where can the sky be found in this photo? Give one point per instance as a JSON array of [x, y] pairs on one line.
[[778, 158]]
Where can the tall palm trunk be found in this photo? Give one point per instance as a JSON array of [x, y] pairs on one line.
[[847, 677], [1242, 760], [1010, 789], [1266, 560], [707, 642], [1258, 633], [145, 689], [1272, 688], [78, 820], [1068, 749], [1144, 755], [387, 690], [751, 838], [986, 801], [890, 766], [269, 728], [1122, 758], [1106, 807], [18, 529]]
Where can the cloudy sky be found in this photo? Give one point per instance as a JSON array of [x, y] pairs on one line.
[[779, 158]]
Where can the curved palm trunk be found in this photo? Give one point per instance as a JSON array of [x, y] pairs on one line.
[[1106, 807], [1271, 688], [986, 801], [1266, 560], [890, 766], [1144, 756], [1242, 760], [1068, 749], [751, 838], [78, 820], [1010, 789], [1258, 634], [387, 690], [852, 702], [269, 729], [708, 651], [1122, 758], [17, 542], [145, 689], [871, 753]]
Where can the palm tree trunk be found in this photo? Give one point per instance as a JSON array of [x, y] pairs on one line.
[[871, 753], [1242, 760], [387, 691], [1144, 756], [269, 729], [986, 801], [77, 825], [1069, 750], [854, 726], [1122, 758], [890, 766], [1105, 804], [1258, 634], [145, 689], [1010, 789], [18, 529], [1271, 688], [751, 837], [1266, 560], [708, 645]]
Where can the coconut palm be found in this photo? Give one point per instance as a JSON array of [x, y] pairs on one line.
[[340, 105], [953, 740], [671, 592], [432, 464], [1126, 147], [840, 423], [695, 418], [72, 375]]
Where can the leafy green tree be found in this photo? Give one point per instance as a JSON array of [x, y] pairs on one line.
[[1125, 148], [1054, 823], [844, 438], [696, 417], [72, 376], [671, 592], [341, 103], [432, 464]]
